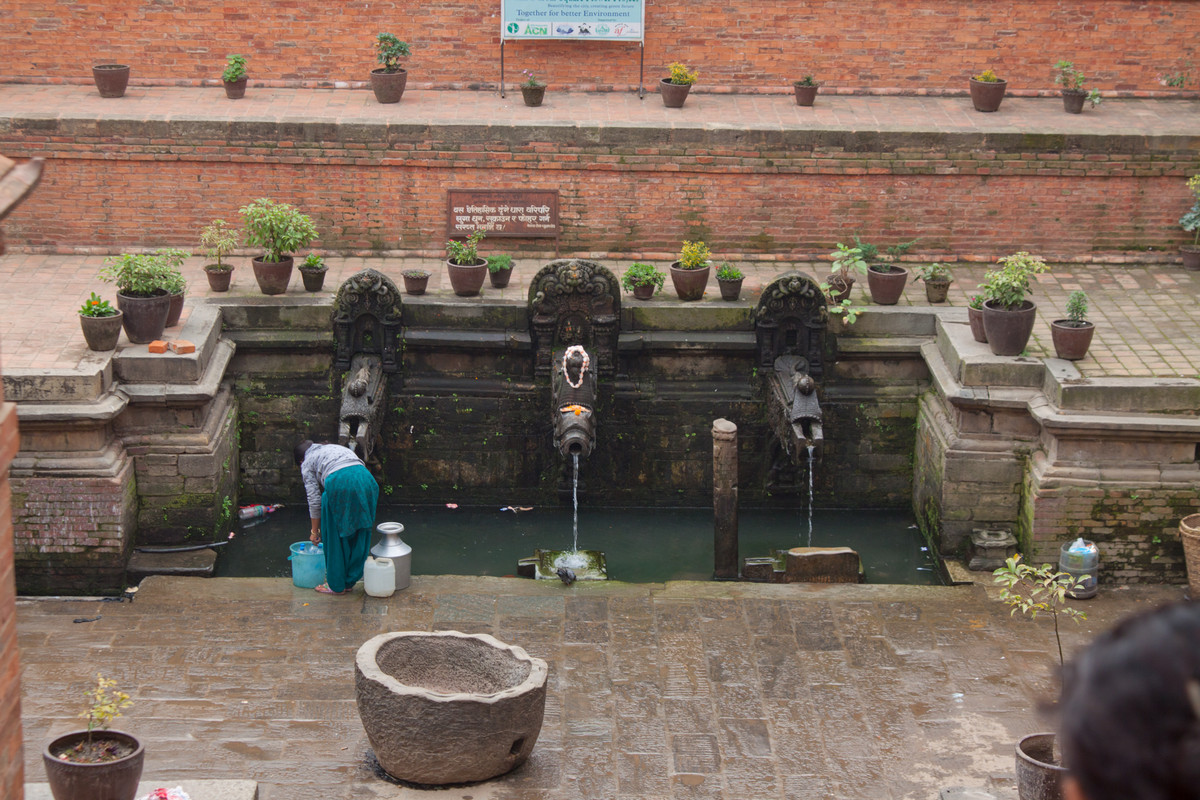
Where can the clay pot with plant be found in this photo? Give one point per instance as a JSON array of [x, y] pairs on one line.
[[97, 762], [415, 280], [675, 87], [1074, 94], [937, 279], [689, 275], [234, 77], [388, 81], [143, 281], [729, 279], [111, 79], [805, 90], [218, 240], [1038, 591], [1073, 336], [975, 318], [1008, 316], [643, 280], [466, 269], [533, 91], [987, 91], [1190, 222], [176, 286], [500, 269], [280, 230], [846, 261], [312, 272], [101, 323], [885, 279]]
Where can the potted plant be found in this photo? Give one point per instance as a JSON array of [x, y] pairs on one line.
[[175, 284], [388, 81], [415, 280], [689, 275], [805, 90], [643, 280], [729, 279], [1072, 336], [101, 323], [111, 79], [975, 317], [280, 230], [1191, 223], [142, 280], [1033, 591], [312, 271], [466, 268], [885, 279], [846, 260], [1073, 93], [96, 762], [937, 280], [234, 76], [533, 90], [1008, 317], [500, 269], [987, 91], [675, 87], [218, 241]]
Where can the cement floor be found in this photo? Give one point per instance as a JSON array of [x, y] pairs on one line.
[[683, 690]]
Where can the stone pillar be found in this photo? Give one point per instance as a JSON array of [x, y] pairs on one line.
[[725, 500], [11, 760]]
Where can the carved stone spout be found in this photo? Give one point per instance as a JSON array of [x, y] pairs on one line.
[[797, 393], [362, 405], [574, 397]]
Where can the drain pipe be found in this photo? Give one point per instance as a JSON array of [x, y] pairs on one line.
[[725, 501]]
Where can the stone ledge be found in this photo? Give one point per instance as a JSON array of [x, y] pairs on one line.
[[204, 389], [135, 364], [89, 381], [196, 790]]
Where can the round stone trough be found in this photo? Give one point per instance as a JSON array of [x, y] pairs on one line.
[[449, 707]]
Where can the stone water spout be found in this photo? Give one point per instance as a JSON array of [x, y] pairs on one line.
[[362, 405], [800, 397], [574, 402]]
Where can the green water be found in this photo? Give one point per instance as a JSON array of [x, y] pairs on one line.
[[643, 545]]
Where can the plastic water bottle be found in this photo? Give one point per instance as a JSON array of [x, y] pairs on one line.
[[1081, 560], [258, 511]]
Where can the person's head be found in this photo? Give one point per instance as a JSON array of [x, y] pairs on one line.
[[1131, 710], [300, 449]]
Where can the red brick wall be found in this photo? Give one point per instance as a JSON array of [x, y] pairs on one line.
[[637, 197], [11, 761], [746, 45]]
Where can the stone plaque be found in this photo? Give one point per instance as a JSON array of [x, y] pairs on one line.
[[515, 213]]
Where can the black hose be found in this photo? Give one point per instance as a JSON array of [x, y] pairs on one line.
[[181, 549]]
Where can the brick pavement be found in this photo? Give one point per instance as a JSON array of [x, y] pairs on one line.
[[682, 690]]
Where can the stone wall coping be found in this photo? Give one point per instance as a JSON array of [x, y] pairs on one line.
[[196, 392], [103, 409], [136, 364], [89, 380]]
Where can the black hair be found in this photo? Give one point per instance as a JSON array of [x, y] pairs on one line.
[[1131, 709], [300, 450]]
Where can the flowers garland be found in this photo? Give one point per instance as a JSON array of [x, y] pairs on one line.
[[587, 360]]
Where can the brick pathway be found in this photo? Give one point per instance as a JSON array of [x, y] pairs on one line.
[[683, 690]]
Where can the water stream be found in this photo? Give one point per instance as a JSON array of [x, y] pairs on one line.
[[575, 504]]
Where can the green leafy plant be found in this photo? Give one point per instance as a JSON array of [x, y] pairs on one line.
[[104, 705], [987, 76], [975, 301], [1177, 80], [846, 260], [1190, 221], [1077, 306], [465, 252], [389, 50], [416, 273], [728, 272], [278, 228], [531, 81], [145, 274], [1038, 590], [1006, 287], [933, 272], [694, 255], [498, 262], [1072, 80], [681, 75], [313, 263], [844, 309], [218, 240], [95, 307], [641, 274], [807, 80], [235, 68]]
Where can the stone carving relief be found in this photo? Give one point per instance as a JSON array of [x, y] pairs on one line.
[[575, 302], [366, 319], [791, 319]]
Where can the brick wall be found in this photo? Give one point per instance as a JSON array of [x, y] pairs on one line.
[[11, 761], [912, 45], [788, 194]]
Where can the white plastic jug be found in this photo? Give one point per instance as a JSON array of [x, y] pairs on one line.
[[379, 575]]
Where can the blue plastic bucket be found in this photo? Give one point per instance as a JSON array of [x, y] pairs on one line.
[[308, 569]]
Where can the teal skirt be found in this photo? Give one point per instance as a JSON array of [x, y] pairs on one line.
[[347, 520]]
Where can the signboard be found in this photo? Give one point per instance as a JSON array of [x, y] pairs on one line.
[[524, 213], [608, 20]]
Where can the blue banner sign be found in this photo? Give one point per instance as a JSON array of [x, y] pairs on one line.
[[611, 20]]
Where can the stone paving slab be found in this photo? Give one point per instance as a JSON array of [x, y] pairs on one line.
[[196, 790], [682, 690]]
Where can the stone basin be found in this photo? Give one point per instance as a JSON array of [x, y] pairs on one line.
[[449, 707]]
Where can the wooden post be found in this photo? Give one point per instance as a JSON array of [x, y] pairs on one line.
[[725, 501]]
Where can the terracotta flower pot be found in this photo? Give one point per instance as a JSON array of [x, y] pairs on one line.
[[1191, 256], [236, 90], [175, 311], [533, 95], [218, 279], [467, 279], [273, 276], [731, 289], [110, 780], [144, 318], [975, 317], [101, 333], [936, 291], [673, 94], [1071, 341], [644, 291], [415, 283], [388, 86], [314, 279], [1073, 100], [987, 95], [886, 287], [111, 79], [805, 95], [840, 288], [1008, 331], [689, 283], [500, 277]]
